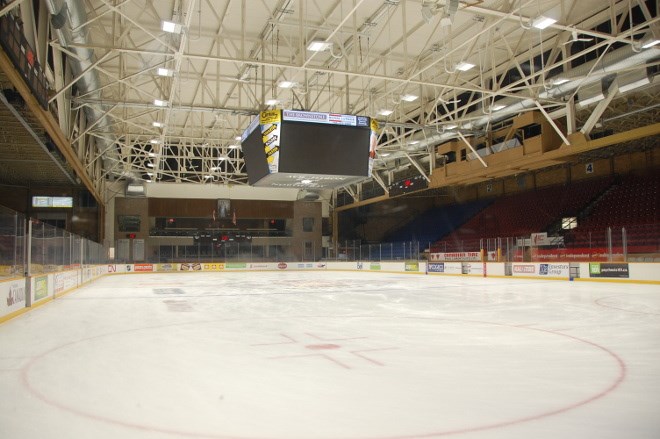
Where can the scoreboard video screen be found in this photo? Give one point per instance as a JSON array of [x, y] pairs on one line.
[[286, 148]]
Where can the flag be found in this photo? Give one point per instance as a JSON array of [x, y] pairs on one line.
[[233, 218]]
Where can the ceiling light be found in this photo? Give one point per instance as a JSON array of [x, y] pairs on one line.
[[272, 102], [413, 142], [162, 71], [543, 22], [237, 138], [464, 66], [497, 107], [559, 81], [234, 146], [208, 176], [451, 127], [150, 174], [171, 27], [159, 103], [150, 165], [305, 181], [409, 98], [214, 168], [384, 154], [152, 154], [286, 84], [385, 112], [652, 42], [319, 46], [157, 124], [154, 141]]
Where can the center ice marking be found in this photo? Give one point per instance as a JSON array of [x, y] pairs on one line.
[[359, 353], [316, 347]]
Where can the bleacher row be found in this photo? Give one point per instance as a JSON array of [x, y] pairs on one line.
[[631, 202]]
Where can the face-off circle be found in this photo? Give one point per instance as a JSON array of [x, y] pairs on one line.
[[385, 378]]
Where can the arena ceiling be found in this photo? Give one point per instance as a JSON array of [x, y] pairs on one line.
[[160, 90]]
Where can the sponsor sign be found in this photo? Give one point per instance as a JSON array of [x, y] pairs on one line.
[[436, 267], [214, 267], [576, 254], [190, 266], [282, 265], [40, 287], [473, 268], [143, 267], [321, 265], [461, 256], [524, 268], [64, 281], [453, 268], [112, 268], [259, 266], [305, 266], [326, 118], [166, 267], [236, 265], [554, 270], [412, 266], [360, 266], [271, 133], [15, 295], [613, 270], [374, 266]]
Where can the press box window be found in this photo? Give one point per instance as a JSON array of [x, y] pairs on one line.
[[569, 223], [308, 224]]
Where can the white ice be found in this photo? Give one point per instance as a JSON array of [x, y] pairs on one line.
[[320, 355]]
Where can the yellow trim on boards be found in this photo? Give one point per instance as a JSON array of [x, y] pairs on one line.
[[618, 281], [13, 314], [42, 302]]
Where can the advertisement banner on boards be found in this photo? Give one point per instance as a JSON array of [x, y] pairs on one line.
[[612, 270], [142, 268], [235, 266], [472, 268], [214, 266], [12, 296], [412, 266], [190, 266], [65, 281], [523, 269], [436, 267], [554, 270], [167, 267], [40, 287]]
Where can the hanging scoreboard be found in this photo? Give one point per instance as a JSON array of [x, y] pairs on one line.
[[303, 149]]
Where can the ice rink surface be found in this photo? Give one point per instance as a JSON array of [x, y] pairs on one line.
[[320, 355]]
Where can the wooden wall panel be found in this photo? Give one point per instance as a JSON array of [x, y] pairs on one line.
[[197, 208], [181, 208], [551, 177]]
